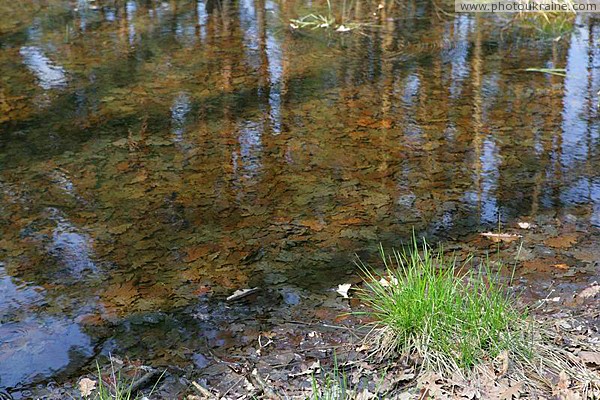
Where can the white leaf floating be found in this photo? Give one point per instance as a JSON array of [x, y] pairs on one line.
[[343, 289], [524, 225], [241, 293]]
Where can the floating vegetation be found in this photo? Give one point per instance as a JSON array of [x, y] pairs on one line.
[[551, 71], [328, 21], [548, 22], [313, 21]]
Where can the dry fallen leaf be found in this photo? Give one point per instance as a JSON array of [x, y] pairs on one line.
[[313, 368], [363, 347], [502, 360], [501, 237], [590, 357], [514, 390], [404, 376], [469, 391], [116, 360], [562, 391], [588, 292], [343, 289], [364, 395], [86, 386], [389, 282], [428, 383], [524, 225]]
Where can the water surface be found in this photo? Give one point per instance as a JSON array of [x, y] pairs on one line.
[[153, 153]]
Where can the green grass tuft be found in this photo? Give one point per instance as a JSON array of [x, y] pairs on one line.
[[424, 308], [118, 386], [330, 386]]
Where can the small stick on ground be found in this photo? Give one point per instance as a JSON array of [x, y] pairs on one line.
[[144, 380], [203, 391], [257, 381]]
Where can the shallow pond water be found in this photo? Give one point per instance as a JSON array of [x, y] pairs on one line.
[[157, 156]]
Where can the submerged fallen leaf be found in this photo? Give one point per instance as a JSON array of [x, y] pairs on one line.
[[315, 225], [86, 386], [123, 166], [194, 253], [140, 177], [120, 229], [343, 289], [561, 266], [563, 241], [351, 221], [501, 237]]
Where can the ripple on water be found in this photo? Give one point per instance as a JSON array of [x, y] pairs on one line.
[[38, 347], [34, 346]]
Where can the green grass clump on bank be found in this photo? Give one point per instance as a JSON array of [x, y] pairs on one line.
[[423, 308], [330, 386], [119, 387], [462, 326]]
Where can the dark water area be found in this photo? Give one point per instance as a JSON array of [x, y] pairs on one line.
[[157, 156]]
